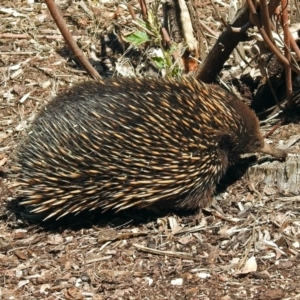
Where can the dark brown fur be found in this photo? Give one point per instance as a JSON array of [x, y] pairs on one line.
[[133, 142]]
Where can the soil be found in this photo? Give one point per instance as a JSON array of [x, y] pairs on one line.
[[245, 247]]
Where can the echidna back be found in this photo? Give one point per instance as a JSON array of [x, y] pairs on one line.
[[128, 142]]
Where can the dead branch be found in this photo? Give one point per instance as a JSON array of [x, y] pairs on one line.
[[222, 49]]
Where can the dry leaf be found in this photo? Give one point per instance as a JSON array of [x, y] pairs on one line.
[[250, 266]]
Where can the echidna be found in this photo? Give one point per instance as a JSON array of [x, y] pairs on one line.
[[134, 143]]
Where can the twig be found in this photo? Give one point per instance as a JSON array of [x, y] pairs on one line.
[[276, 126], [218, 14], [187, 27], [165, 37], [167, 253], [144, 9], [269, 43], [208, 29], [18, 53], [229, 39], [27, 36], [69, 39], [131, 11], [266, 19], [124, 236], [292, 40], [288, 71], [137, 24]]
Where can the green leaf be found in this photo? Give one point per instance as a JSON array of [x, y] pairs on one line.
[[159, 61], [137, 38]]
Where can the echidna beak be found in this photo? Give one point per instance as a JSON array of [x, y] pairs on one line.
[[267, 149]]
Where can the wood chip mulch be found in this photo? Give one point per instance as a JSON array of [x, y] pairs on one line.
[[245, 247]]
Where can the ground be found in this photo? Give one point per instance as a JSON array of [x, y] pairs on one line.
[[245, 247]]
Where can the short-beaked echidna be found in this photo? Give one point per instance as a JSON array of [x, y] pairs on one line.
[[133, 143]]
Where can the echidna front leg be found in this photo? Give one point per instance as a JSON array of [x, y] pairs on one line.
[[197, 199]]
